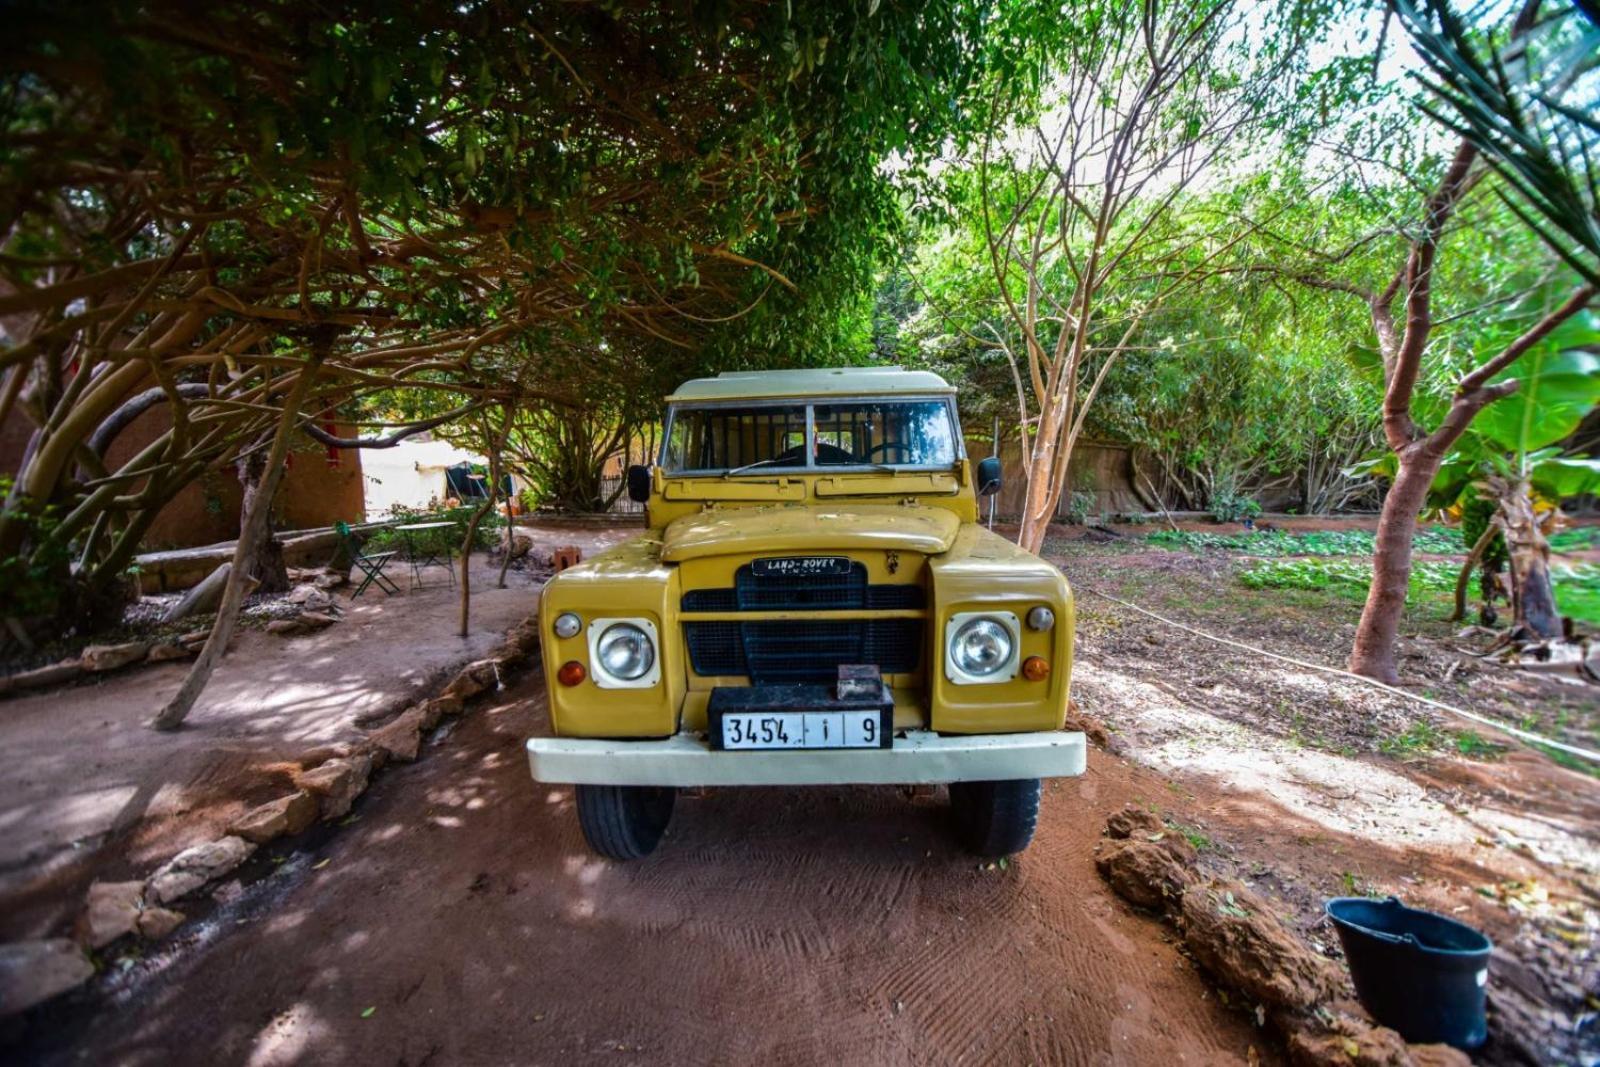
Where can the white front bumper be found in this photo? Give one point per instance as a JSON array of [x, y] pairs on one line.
[[920, 757]]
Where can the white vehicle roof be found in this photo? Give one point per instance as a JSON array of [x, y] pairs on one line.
[[827, 381]]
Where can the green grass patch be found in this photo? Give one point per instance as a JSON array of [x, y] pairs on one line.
[[1568, 760], [1425, 739], [1343, 576], [1435, 539], [1577, 538], [1577, 591]]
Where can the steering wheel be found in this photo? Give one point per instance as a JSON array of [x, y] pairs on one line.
[[902, 448], [826, 454]]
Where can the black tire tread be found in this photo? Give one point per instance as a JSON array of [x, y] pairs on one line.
[[996, 818], [623, 822]]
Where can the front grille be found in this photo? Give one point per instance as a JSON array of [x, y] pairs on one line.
[[772, 652], [834, 592]]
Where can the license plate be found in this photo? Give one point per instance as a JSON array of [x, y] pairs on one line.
[[802, 729]]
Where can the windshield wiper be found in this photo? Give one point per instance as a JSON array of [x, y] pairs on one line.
[[753, 466], [852, 468]]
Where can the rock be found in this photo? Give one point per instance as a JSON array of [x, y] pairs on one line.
[[194, 867], [521, 545], [228, 891], [167, 650], [519, 643], [284, 627], [337, 783], [316, 620], [64, 671], [32, 972], [441, 706], [1342, 1050], [99, 658], [310, 597], [1232, 934], [274, 819], [402, 738], [1088, 725], [201, 598], [329, 580], [112, 911], [1148, 874], [474, 678], [156, 923], [1133, 818], [1354, 1042]]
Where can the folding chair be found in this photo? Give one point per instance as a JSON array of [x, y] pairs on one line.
[[371, 565]]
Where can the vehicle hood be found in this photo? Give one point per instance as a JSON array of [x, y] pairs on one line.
[[753, 531]]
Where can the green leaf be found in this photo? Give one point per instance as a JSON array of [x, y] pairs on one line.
[[1558, 389], [1563, 477], [1367, 362]]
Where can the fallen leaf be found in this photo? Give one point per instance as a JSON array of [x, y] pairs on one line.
[[369, 1012], [319, 866]]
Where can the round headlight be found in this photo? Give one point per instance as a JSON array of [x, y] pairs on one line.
[[1041, 618], [981, 647], [568, 624], [625, 652]]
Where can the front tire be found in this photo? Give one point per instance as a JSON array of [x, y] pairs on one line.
[[995, 819], [624, 822]]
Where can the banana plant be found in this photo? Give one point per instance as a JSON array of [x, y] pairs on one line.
[[1510, 459]]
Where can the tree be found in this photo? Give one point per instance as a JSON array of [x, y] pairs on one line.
[[186, 202], [1403, 337], [1081, 226]]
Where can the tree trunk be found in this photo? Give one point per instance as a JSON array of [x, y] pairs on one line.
[[270, 570], [1533, 599], [1374, 653], [1465, 577], [252, 530], [495, 450], [511, 541], [1043, 469]]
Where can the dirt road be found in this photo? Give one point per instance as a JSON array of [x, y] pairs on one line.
[[461, 921]]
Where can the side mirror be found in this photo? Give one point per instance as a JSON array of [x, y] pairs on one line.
[[988, 475], [639, 483]]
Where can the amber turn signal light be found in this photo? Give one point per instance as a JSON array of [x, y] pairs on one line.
[[571, 673], [1034, 669]]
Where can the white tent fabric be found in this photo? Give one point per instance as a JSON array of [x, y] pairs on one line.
[[410, 474]]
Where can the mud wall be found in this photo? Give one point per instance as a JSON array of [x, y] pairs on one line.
[[1102, 468], [320, 486]]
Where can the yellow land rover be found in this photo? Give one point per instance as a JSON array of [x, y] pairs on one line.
[[815, 603]]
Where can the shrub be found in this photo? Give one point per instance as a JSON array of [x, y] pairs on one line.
[[1431, 539], [1339, 575], [1080, 505], [1233, 507], [436, 542]]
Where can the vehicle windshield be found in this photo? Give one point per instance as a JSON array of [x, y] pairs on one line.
[[771, 437]]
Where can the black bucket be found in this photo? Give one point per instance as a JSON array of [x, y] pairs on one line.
[[1417, 972]]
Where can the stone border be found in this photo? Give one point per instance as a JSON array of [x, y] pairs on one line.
[[1232, 935], [103, 659], [32, 972]]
